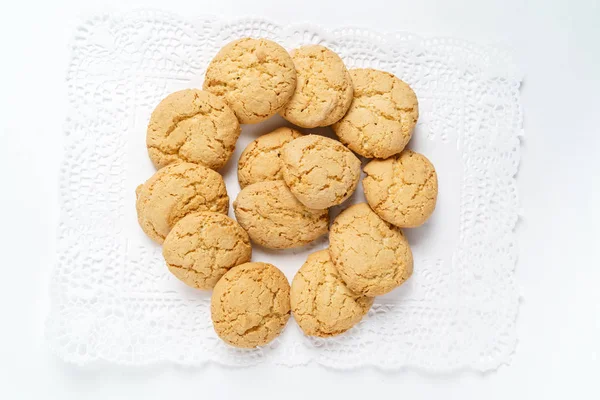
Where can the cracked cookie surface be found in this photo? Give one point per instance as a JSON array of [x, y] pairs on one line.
[[255, 77], [403, 189], [203, 246], [319, 171], [193, 126], [175, 191], [382, 116], [250, 305], [274, 218], [261, 159], [322, 303], [323, 89], [372, 256]]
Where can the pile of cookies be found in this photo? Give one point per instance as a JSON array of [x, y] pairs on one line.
[[288, 183]]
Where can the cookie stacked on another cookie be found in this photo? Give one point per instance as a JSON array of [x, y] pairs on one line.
[[382, 116], [256, 77], [319, 171], [203, 246], [372, 256], [175, 191], [288, 181], [322, 304], [323, 91]]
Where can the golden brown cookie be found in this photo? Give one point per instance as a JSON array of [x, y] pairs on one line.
[[202, 246], [274, 218], [250, 305], [261, 160], [256, 77], [319, 171], [321, 302], [175, 191], [402, 189], [382, 116], [372, 256], [192, 126], [323, 91]]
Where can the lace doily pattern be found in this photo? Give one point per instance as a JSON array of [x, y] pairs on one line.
[[112, 297]]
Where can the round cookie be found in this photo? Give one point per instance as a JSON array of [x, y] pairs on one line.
[[372, 256], [202, 246], [256, 77], [250, 305], [192, 126], [323, 91], [382, 116], [261, 161], [319, 171], [402, 189], [321, 302], [175, 191], [274, 218]]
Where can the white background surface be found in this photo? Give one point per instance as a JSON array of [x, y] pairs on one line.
[[556, 45]]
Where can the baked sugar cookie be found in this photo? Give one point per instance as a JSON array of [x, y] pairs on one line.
[[274, 218], [372, 256], [175, 191], [192, 126], [382, 116], [323, 90], [256, 77], [319, 171], [202, 246], [250, 305], [321, 302], [402, 189], [261, 160]]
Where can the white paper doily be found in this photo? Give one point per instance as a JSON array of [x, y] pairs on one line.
[[112, 297]]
